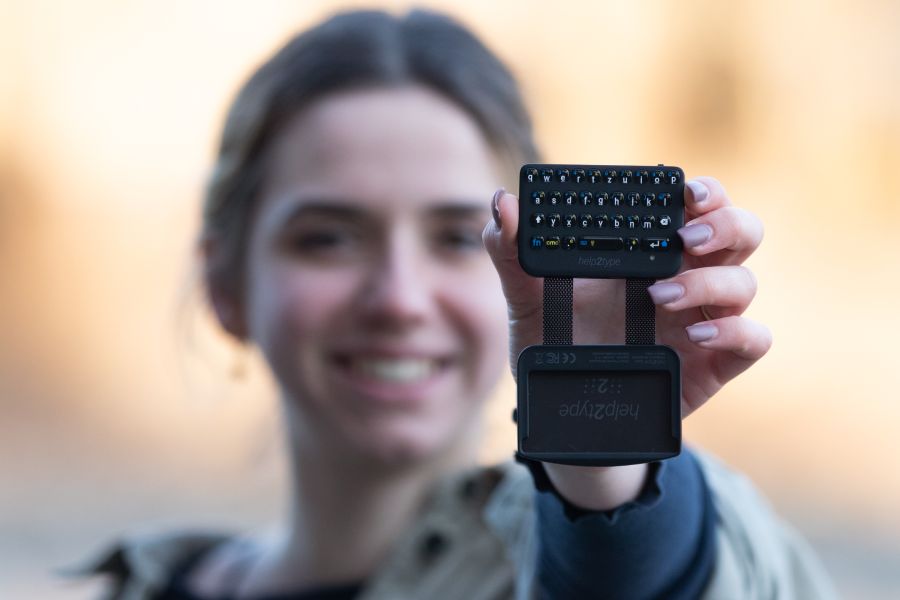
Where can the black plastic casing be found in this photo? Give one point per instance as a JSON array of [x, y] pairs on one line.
[[582, 405], [600, 264]]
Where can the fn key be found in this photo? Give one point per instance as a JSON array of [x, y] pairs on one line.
[[600, 243]]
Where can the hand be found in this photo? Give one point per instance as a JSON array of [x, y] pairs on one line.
[[718, 238]]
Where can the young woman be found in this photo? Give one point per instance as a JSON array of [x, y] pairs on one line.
[[344, 234]]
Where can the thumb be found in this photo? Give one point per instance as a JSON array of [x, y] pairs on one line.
[[524, 293]]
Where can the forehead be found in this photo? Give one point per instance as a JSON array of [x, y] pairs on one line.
[[386, 146]]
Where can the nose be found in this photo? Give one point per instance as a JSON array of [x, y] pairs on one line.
[[398, 293]]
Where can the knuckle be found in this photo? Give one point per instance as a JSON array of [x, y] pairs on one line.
[[705, 285], [714, 180], [751, 282], [715, 186], [767, 339], [723, 222]]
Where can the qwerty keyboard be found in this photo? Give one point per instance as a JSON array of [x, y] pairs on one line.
[[600, 221]]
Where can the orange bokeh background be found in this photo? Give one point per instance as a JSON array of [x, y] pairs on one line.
[[121, 408]]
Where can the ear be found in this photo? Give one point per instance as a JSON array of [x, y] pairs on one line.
[[223, 295]]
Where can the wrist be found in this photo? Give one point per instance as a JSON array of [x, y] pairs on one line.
[[597, 488]]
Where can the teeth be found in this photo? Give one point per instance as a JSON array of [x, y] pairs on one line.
[[396, 370]]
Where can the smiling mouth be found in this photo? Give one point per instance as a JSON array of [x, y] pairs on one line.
[[395, 370]]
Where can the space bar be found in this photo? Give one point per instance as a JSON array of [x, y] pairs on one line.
[[600, 243]]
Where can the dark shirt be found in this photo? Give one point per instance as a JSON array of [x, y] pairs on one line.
[[661, 545]]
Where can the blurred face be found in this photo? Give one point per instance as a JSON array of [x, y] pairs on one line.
[[369, 291]]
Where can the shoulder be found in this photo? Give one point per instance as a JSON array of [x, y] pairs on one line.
[[759, 555], [143, 565]]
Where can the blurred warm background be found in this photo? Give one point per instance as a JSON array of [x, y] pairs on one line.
[[122, 407]]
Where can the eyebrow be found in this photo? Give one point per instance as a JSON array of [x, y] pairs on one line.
[[459, 209], [347, 210], [326, 207]]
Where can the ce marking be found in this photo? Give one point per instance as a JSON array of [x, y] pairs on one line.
[[554, 358]]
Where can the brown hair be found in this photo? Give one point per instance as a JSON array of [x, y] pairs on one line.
[[349, 50]]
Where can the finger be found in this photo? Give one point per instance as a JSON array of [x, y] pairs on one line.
[[523, 292], [724, 290], [729, 228], [740, 341], [703, 195]]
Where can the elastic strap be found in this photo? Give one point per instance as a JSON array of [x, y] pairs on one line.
[[558, 311], [640, 312]]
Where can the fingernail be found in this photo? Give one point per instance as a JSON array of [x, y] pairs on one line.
[[695, 235], [700, 191], [702, 332], [495, 206], [663, 293]]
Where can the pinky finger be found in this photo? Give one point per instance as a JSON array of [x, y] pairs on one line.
[[741, 340]]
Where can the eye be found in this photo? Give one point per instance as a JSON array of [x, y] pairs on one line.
[[313, 240], [320, 242], [459, 239]]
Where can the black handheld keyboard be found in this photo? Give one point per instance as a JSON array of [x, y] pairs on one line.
[[600, 221]]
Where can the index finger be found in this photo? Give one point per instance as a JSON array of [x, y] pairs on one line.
[[703, 195]]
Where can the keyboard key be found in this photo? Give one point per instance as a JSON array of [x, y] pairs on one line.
[[629, 212], [656, 244], [600, 243]]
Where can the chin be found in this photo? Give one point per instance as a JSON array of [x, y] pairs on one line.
[[399, 447]]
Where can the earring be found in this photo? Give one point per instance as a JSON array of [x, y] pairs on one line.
[[239, 368]]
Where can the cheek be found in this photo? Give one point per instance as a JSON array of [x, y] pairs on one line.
[[290, 306], [480, 309]]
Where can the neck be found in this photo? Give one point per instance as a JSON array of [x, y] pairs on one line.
[[348, 510]]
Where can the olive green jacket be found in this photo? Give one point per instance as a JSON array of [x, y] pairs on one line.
[[477, 540]]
